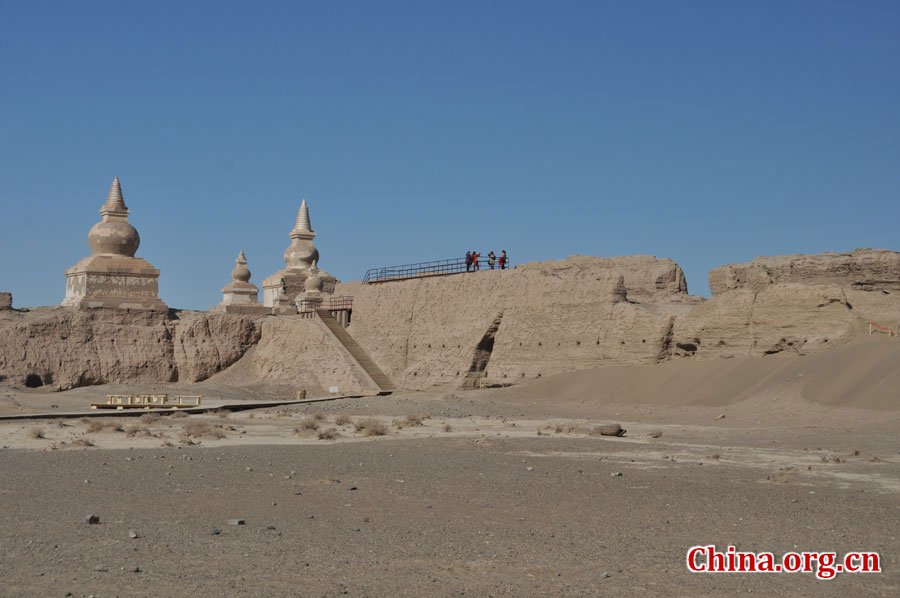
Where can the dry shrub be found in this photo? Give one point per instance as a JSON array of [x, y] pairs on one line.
[[36, 432], [448, 428], [137, 429], [327, 434], [307, 424], [375, 428], [715, 456], [415, 419], [179, 414], [166, 444], [399, 423], [82, 442], [655, 434], [369, 422], [202, 429], [99, 425], [149, 418], [318, 416], [342, 419], [223, 413]]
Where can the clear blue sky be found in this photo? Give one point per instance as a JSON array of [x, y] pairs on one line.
[[709, 132]]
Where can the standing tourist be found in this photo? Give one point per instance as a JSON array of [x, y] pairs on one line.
[[475, 256], [491, 259], [468, 261], [503, 260]]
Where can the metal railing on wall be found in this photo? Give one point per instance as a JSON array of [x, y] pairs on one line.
[[435, 268]]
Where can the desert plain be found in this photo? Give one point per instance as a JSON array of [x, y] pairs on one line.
[[494, 492]]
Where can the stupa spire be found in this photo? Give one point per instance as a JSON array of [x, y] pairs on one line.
[[302, 225], [115, 202]]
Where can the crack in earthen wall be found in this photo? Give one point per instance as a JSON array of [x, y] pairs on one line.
[[482, 354], [752, 334], [665, 347]]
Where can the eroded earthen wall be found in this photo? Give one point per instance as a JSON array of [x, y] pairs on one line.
[[554, 317], [66, 348]]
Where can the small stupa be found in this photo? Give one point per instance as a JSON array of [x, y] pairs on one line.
[[112, 276], [301, 258], [240, 295]]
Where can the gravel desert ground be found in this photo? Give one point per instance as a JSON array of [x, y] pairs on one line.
[[504, 492]]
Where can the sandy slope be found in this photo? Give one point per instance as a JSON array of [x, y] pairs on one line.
[[862, 375]]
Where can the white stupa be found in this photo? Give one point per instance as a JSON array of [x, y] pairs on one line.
[[112, 276]]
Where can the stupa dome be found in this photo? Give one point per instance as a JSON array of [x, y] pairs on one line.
[[240, 273], [300, 255], [114, 235], [313, 284]]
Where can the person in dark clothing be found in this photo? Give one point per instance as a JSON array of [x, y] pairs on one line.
[[468, 261], [503, 260]]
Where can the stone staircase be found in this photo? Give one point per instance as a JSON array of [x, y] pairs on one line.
[[378, 378]]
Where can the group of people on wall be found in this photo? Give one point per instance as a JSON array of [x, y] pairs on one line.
[[473, 263]]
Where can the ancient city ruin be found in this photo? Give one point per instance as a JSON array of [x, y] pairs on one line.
[[533, 321]]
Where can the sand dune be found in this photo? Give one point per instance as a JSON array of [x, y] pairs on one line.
[[861, 375]]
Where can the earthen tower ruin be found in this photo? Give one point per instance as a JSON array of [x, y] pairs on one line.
[[301, 258], [240, 295], [112, 276]]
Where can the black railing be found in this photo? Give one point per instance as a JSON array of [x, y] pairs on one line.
[[422, 269]]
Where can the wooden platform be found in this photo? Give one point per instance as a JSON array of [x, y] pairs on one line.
[[151, 401]]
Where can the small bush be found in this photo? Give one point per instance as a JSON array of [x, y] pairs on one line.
[[82, 442], [149, 418], [36, 432], [99, 425], [202, 429], [448, 428], [327, 434], [179, 414], [342, 419], [415, 419], [375, 428], [223, 413], [137, 429], [656, 434], [307, 424], [362, 424], [318, 416]]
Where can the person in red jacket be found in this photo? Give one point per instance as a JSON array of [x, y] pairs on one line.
[[503, 260], [475, 256]]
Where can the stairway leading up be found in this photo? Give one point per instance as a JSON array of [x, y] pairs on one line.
[[371, 369]]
